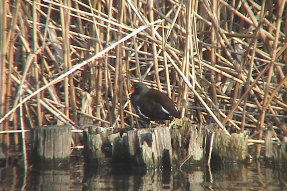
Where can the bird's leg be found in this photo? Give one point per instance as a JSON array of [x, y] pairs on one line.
[[150, 127], [144, 123]]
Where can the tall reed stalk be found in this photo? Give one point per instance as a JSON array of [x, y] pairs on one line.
[[72, 61]]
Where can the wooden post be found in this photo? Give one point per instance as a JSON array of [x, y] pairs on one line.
[[275, 152], [150, 148], [153, 147], [98, 146], [187, 143], [232, 148], [51, 143], [160, 147]]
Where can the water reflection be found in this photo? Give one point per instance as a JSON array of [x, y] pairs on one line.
[[254, 176], [123, 178], [78, 176]]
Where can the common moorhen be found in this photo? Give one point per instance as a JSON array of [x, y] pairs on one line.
[[152, 104]]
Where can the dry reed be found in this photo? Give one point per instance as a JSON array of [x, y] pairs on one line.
[[74, 61]]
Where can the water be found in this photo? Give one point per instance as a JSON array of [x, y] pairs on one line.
[[80, 176]]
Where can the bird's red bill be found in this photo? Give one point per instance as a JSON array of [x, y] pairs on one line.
[[132, 90]]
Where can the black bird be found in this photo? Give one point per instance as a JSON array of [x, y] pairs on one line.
[[152, 104]]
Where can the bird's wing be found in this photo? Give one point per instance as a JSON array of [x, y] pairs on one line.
[[143, 108], [167, 104]]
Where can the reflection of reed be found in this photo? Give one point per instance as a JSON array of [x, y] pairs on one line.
[[196, 180], [225, 177], [124, 179], [234, 176], [152, 181], [112, 179], [53, 180]]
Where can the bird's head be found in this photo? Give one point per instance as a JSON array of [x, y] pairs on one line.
[[139, 88]]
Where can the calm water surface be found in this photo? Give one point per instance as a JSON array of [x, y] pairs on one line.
[[80, 176]]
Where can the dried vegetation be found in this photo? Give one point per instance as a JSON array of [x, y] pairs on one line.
[[70, 61]]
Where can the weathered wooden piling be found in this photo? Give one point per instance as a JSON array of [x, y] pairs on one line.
[[187, 142], [275, 151], [51, 143], [180, 143], [159, 147], [140, 147], [232, 148]]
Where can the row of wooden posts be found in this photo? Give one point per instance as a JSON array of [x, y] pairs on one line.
[[160, 147]]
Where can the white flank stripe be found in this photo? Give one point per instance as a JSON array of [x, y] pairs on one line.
[[164, 110]]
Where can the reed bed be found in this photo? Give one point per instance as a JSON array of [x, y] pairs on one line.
[[70, 61]]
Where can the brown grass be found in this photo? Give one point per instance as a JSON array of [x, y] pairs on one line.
[[70, 61]]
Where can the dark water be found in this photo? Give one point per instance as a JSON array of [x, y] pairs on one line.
[[79, 176]]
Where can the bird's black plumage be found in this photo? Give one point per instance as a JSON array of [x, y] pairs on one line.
[[152, 104]]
